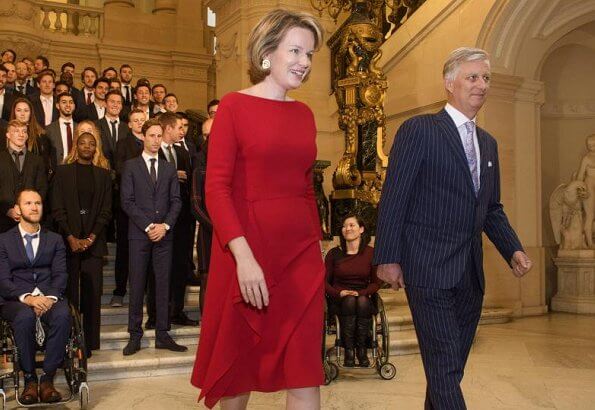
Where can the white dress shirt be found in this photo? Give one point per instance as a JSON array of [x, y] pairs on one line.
[[460, 119], [87, 91], [35, 246], [2, 94], [147, 159], [166, 152], [109, 125], [63, 133], [100, 110], [123, 89], [48, 108]]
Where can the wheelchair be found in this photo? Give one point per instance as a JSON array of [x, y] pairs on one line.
[[74, 365], [378, 343]]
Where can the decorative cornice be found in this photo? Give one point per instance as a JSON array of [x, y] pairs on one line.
[[13, 10], [569, 109]]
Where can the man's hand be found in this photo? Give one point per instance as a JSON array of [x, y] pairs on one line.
[[77, 245], [521, 264], [392, 274], [13, 215], [40, 304], [157, 233], [182, 176]]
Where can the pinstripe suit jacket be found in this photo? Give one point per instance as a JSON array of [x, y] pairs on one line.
[[430, 221]]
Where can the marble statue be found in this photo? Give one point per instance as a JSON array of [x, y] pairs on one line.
[[586, 173], [566, 215]]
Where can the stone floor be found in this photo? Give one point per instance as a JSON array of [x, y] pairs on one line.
[[545, 362]]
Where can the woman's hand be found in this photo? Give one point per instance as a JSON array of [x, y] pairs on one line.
[[252, 284], [250, 275], [344, 293]]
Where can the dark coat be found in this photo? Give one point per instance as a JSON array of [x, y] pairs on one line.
[[19, 276], [33, 175], [66, 208]]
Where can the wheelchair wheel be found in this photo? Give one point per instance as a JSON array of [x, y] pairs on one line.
[[83, 396], [2, 399], [384, 343], [387, 371], [331, 372]]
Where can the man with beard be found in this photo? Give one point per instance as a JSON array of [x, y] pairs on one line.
[[87, 94], [11, 75], [61, 132], [7, 95], [96, 110], [126, 87], [41, 64], [32, 283], [19, 168], [142, 99]]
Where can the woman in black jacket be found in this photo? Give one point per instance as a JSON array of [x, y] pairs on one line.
[[81, 206]]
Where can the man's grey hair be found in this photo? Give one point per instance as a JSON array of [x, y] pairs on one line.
[[460, 56]]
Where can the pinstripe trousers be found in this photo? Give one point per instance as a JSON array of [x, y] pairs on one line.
[[445, 323]]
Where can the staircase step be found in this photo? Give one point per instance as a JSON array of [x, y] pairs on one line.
[[119, 315], [191, 295], [148, 362], [115, 337]]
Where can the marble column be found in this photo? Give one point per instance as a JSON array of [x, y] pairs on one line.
[[165, 7]]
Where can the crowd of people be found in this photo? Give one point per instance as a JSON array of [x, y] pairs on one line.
[[73, 147]]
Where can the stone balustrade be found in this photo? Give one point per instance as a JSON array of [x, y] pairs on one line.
[[71, 19]]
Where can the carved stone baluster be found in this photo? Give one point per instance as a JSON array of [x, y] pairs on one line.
[[46, 18], [93, 24], [83, 27], [58, 22], [70, 27]]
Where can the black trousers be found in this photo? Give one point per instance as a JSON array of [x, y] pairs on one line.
[[180, 269], [122, 250], [445, 323], [159, 254], [85, 286], [22, 320]]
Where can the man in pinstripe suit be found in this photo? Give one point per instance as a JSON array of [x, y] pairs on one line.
[[442, 191]]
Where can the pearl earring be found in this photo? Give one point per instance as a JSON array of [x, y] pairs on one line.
[[266, 64]]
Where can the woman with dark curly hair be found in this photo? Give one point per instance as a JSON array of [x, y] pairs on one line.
[[350, 282]]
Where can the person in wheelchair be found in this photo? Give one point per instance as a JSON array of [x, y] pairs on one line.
[[351, 282], [32, 283]]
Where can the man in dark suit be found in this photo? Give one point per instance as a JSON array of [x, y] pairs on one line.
[[86, 96], [126, 85], [19, 169], [126, 148], [44, 104], [61, 132], [182, 230], [7, 95], [96, 110], [21, 84], [442, 191], [151, 197], [32, 283], [111, 127]]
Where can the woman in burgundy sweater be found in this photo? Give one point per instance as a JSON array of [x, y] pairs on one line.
[[350, 282]]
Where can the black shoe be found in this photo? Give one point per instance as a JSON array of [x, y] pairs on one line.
[[132, 347], [150, 324], [362, 357], [166, 342], [349, 360], [183, 320]]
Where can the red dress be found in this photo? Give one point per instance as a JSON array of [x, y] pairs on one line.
[[259, 185]]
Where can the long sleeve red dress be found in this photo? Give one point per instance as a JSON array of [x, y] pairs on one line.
[[259, 185]]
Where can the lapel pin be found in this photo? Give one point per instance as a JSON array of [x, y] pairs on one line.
[[489, 163]]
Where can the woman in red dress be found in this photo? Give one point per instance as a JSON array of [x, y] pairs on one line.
[[263, 316]]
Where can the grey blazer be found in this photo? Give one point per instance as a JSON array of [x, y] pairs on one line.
[[54, 134]]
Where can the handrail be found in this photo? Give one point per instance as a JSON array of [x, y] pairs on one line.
[[71, 19]]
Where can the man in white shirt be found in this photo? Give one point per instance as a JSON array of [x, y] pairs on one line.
[[96, 110], [142, 99], [32, 283], [126, 86], [44, 105], [159, 91], [111, 127], [61, 132]]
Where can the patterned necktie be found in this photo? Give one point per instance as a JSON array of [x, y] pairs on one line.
[[89, 99], [153, 170], [471, 154], [29, 246]]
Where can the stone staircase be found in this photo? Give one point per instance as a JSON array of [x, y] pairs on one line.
[[109, 363]]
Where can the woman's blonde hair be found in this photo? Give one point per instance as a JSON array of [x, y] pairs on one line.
[[266, 36], [99, 160]]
